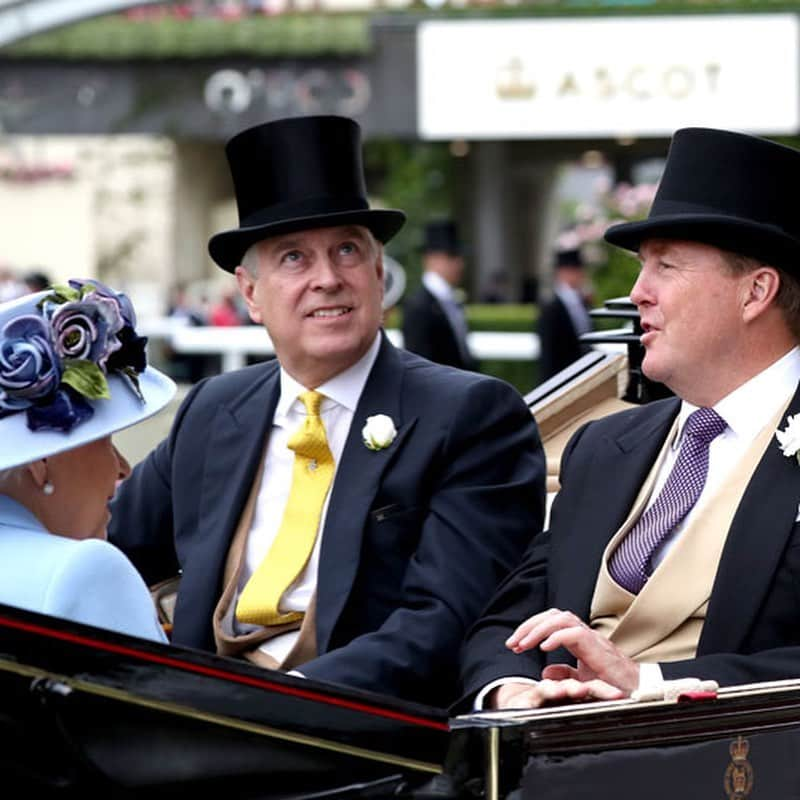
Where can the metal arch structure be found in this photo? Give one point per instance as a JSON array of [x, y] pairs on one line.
[[21, 18]]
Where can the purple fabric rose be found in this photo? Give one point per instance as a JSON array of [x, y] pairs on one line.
[[87, 329], [120, 298], [29, 367]]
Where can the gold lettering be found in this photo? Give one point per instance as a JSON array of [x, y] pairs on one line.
[[635, 88], [568, 85], [712, 73], [605, 86], [678, 82]]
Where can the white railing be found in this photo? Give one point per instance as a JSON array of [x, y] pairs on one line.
[[234, 344]]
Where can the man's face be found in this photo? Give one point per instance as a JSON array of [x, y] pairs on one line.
[[318, 293], [690, 306]]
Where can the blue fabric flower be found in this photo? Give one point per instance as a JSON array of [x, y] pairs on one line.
[[54, 365], [29, 367], [62, 413]]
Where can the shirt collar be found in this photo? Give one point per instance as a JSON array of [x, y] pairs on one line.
[[344, 389], [767, 391], [437, 286]]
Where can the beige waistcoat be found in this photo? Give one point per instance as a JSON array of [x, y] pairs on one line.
[[246, 646], [664, 621]]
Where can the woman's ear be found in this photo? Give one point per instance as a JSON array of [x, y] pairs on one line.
[[38, 472]]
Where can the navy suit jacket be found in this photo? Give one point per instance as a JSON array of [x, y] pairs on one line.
[[558, 340], [427, 331], [417, 536], [752, 627]]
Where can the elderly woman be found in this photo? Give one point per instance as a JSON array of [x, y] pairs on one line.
[[72, 371]]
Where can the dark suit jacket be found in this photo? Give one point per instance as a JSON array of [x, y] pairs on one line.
[[752, 628], [559, 343], [417, 536], [427, 331]]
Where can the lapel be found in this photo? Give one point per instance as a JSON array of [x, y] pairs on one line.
[[236, 439], [596, 509], [357, 480], [761, 527], [658, 612]]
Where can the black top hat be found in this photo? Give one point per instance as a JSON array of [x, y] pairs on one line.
[[569, 258], [441, 236], [730, 190], [295, 174]]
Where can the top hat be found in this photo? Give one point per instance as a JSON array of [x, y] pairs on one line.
[[441, 236], [41, 336], [729, 190], [295, 174], [569, 258]]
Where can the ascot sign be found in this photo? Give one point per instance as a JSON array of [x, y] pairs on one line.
[[506, 79]]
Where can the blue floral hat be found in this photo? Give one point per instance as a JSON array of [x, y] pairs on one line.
[[72, 370]]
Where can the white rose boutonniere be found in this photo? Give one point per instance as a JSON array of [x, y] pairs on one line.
[[379, 432], [789, 437]]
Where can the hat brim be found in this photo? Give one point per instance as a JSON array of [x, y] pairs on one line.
[[228, 247], [767, 243], [21, 445]]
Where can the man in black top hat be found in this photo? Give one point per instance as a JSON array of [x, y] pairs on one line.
[[674, 547], [564, 318], [346, 509], [434, 325]]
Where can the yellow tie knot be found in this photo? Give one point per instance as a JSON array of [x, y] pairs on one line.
[[312, 401], [309, 440]]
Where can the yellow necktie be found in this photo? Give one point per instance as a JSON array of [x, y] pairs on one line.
[[311, 478]]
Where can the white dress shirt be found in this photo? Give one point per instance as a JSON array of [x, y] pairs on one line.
[[745, 410], [341, 396]]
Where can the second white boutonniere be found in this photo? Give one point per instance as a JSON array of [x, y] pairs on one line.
[[379, 432], [789, 437]]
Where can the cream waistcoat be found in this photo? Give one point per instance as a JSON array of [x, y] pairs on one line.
[[664, 621]]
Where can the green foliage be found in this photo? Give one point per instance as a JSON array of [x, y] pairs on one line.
[[86, 378], [616, 276], [417, 177], [114, 37], [511, 317]]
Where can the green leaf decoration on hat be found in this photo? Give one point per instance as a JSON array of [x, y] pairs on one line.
[[86, 378]]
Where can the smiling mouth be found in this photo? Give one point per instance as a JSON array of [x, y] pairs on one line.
[[329, 313]]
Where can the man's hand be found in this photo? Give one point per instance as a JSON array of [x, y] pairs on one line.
[[598, 658], [550, 692]]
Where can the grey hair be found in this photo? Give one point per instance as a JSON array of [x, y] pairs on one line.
[[251, 260]]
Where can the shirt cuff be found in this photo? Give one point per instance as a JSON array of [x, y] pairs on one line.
[[481, 696]]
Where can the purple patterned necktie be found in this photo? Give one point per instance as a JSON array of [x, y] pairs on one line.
[[630, 563]]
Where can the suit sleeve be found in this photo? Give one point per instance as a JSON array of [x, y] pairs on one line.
[[420, 333], [525, 592], [142, 510], [486, 505]]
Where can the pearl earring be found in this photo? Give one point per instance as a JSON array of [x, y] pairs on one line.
[[48, 488]]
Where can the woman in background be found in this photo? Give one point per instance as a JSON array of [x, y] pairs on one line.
[[72, 371]]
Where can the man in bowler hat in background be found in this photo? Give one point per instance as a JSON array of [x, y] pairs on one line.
[[434, 324], [347, 509], [674, 545], [564, 318]]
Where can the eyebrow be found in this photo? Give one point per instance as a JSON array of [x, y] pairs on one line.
[[288, 242]]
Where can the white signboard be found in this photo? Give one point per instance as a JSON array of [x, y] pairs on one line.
[[507, 79]]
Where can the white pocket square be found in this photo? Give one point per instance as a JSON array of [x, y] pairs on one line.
[[797, 518]]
